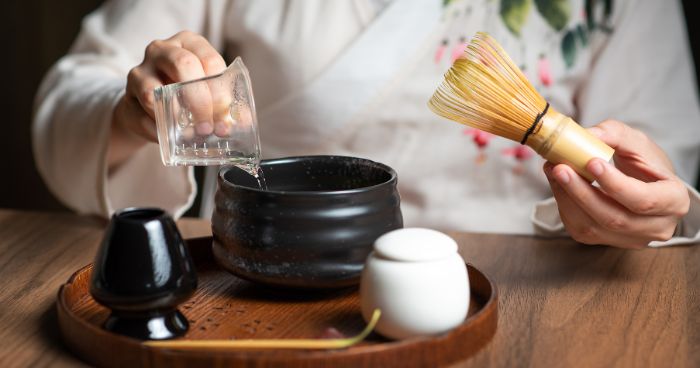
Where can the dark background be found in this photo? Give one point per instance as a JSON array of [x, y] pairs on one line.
[[36, 33]]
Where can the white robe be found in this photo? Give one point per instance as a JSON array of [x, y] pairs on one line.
[[340, 77]]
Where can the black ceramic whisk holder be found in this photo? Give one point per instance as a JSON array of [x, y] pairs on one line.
[[142, 272]]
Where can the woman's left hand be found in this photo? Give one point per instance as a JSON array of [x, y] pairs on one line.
[[639, 200]]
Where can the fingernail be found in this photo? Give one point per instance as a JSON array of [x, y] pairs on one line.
[[596, 168], [562, 177], [204, 128], [221, 129], [187, 133], [596, 131]]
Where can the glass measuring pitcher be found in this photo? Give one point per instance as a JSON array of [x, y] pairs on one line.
[[209, 121]]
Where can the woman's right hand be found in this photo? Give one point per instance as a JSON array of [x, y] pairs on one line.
[[182, 57], [638, 200]]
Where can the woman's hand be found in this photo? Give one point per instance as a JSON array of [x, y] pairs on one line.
[[639, 200], [182, 57]]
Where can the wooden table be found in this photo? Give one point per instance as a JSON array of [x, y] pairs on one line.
[[561, 303]]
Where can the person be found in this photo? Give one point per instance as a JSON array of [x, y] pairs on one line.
[[353, 77]]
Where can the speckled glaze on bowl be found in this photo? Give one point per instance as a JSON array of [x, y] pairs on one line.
[[312, 228]]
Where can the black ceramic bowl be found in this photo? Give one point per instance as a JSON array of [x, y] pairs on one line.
[[314, 225]]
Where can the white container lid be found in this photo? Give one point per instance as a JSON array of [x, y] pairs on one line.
[[415, 245]]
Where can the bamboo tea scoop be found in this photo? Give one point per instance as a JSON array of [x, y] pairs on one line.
[[269, 343]]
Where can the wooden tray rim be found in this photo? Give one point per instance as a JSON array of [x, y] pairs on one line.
[[64, 311]]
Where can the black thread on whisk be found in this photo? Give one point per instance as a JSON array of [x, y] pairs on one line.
[[532, 127]]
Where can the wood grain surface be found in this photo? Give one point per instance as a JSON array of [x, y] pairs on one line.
[[561, 304]]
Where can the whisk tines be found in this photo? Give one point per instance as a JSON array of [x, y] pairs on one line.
[[486, 90]]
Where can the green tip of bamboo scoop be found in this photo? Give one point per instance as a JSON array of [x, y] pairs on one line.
[[270, 344]]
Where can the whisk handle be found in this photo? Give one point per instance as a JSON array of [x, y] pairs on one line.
[[561, 140]]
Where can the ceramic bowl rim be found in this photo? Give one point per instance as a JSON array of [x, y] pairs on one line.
[[364, 161], [123, 214]]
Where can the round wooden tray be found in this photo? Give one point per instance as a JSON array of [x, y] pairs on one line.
[[225, 307]]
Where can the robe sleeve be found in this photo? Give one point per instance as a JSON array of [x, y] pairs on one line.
[[75, 102], [547, 222]]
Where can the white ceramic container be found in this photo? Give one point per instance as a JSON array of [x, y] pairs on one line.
[[418, 280]]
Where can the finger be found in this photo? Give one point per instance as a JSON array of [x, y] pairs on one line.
[[139, 122], [212, 62], [196, 98], [607, 213], [583, 228], [634, 146], [220, 89], [222, 96], [181, 65], [662, 197], [174, 62], [577, 222], [141, 82]]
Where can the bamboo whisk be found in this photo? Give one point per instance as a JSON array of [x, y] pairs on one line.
[[486, 90]]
